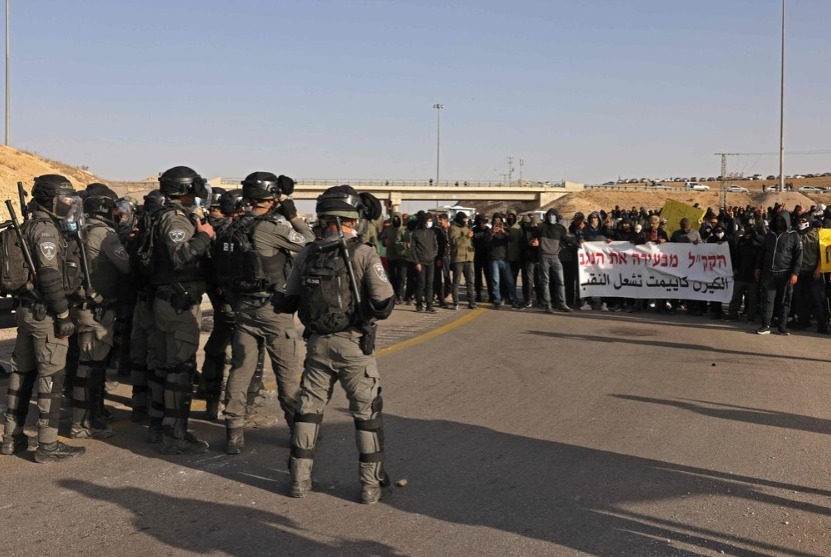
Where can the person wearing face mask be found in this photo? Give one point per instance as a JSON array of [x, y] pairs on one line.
[[460, 238], [777, 271], [743, 256], [719, 236], [809, 293], [481, 264], [425, 248], [549, 234], [500, 270], [394, 239], [515, 245]]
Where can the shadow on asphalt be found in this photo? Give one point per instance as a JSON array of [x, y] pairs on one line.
[[577, 497], [638, 340], [209, 527], [758, 416]]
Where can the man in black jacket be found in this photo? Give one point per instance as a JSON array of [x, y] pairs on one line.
[[777, 270], [549, 234], [743, 254]]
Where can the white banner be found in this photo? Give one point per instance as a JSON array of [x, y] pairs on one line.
[[661, 271]]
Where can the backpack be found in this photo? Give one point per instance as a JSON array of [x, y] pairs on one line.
[[15, 276], [326, 301], [237, 264], [141, 246]]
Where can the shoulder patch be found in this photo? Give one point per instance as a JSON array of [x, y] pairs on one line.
[[176, 235], [379, 270], [49, 250], [121, 253], [296, 238]]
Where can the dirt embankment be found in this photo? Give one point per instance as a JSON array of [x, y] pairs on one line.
[[20, 166]]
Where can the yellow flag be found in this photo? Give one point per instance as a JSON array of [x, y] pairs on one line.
[[825, 249]]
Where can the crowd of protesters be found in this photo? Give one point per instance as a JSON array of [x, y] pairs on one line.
[[775, 255]]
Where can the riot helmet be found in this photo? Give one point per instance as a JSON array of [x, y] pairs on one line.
[[265, 185], [340, 201], [182, 180]]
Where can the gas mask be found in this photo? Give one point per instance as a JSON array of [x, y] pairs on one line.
[[70, 209]]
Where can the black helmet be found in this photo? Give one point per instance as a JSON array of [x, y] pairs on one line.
[[216, 196], [154, 199], [265, 185], [100, 205], [340, 201], [50, 186], [181, 180], [230, 202]]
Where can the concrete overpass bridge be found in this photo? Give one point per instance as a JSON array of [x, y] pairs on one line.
[[393, 192]]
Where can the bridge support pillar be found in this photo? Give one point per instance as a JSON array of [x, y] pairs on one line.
[[394, 202]]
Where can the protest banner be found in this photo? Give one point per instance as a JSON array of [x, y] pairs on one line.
[[660, 271], [674, 211], [825, 249]]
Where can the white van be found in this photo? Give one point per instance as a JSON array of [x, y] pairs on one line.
[[451, 211]]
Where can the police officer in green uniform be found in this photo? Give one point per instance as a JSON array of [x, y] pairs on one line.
[[219, 341], [143, 330], [340, 334], [182, 241], [276, 234], [95, 315], [43, 326]]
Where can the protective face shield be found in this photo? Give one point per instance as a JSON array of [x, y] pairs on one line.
[[123, 212], [70, 208]]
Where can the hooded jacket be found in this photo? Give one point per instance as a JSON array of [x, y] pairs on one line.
[[461, 246], [781, 252], [550, 235], [425, 247]]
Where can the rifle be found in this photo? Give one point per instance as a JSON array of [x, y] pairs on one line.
[[367, 341], [24, 245], [91, 295], [21, 193]]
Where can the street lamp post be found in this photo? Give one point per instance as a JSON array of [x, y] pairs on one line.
[[8, 101], [782, 109], [438, 108]]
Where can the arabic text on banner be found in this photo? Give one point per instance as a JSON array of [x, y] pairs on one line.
[[825, 249], [660, 271]]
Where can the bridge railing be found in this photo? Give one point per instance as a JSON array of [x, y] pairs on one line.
[[364, 182]]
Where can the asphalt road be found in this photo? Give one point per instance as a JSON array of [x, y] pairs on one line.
[[518, 433]]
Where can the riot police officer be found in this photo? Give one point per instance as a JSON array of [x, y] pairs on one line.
[[43, 324], [94, 316], [340, 331], [182, 240], [274, 234]]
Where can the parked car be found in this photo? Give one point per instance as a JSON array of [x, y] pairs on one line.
[[696, 186], [733, 188], [810, 189], [657, 186], [771, 177]]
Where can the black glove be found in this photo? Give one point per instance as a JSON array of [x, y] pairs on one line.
[[64, 327], [287, 209], [285, 184]]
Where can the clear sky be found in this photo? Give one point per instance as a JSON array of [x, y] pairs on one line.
[[583, 90]]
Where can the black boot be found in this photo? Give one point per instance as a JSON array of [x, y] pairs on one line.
[[181, 442], [15, 443], [57, 451], [236, 441]]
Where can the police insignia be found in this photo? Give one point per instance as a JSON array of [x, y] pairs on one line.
[[379, 270], [49, 250], [177, 235], [296, 238], [121, 253]]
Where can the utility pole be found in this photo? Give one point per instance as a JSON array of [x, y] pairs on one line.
[[782, 109], [510, 170], [438, 108], [8, 89], [521, 164]]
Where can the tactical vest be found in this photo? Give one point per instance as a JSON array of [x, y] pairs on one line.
[[163, 271], [15, 275], [326, 302], [238, 264]]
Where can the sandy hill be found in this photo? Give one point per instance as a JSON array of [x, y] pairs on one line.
[[595, 199], [21, 166]]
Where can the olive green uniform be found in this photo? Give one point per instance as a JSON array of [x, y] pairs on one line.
[[275, 240], [39, 359], [107, 260], [179, 286], [338, 357]]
